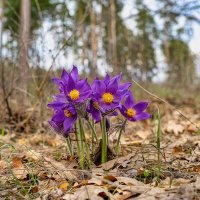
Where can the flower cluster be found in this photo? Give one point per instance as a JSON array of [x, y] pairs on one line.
[[78, 99]]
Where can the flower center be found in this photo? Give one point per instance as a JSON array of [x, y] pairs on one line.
[[67, 113], [74, 94], [108, 98], [131, 112]]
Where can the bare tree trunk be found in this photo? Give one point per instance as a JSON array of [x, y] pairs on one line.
[[113, 39], [166, 44], [23, 62], [84, 43], [167, 52], [93, 41], [3, 84], [83, 39], [2, 9]]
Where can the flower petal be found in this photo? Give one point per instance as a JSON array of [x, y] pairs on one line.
[[60, 97], [56, 80], [68, 122], [141, 106], [83, 86], [74, 74], [85, 95], [129, 101], [99, 87], [117, 77], [112, 86], [132, 119], [56, 105], [114, 113], [96, 96], [119, 95], [70, 86], [107, 79], [65, 76], [107, 107], [59, 116], [93, 83], [142, 116], [71, 109], [57, 127], [124, 86], [96, 115], [122, 110]]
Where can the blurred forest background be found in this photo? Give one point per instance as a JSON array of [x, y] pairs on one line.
[[147, 40]]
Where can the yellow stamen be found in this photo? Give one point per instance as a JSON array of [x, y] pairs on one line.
[[131, 112], [67, 113], [74, 94], [96, 105], [108, 98]]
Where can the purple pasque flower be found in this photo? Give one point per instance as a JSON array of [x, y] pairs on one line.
[[94, 109], [76, 90], [108, 93], [134, 111], [65, 117]]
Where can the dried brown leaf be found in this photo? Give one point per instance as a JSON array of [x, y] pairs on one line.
[[109, 165], [3, 165], [143, 134], [68, 197], [123, 195], [129, 181], [61, 168], [91, 192], [95, 180], [173, 127], [82, 183], [18, 168], [110, 178], [33, 155]]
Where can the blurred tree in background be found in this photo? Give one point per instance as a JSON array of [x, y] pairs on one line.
[[12, 14], [147, 34], [179, 58], [181, 67]]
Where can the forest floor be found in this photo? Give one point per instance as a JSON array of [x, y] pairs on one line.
[[37, 165]]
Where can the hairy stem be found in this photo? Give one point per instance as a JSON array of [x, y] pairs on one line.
[[119, 137], [158, 138], [92, 130], [69, 146], [80, 154], [104, 141], [84, 143]]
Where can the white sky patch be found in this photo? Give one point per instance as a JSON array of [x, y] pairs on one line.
[[195, 41]]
